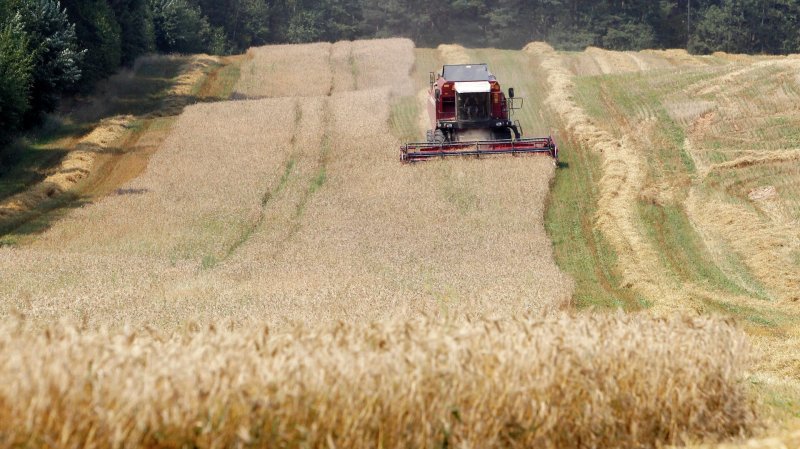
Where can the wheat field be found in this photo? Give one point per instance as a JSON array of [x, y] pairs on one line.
[[524, 382], [296, 208], [276, 277]]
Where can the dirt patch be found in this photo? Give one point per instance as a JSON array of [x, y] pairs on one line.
[[763, 193]]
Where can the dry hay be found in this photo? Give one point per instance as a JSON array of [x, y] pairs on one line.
[[615, 62], [758, 158], [597, 61], [690, 112], [765, 237], [590, 381], [620, 184], [678, 57], [767, 246], [75, 166], [732, 57], [538, 48], [181, 93]]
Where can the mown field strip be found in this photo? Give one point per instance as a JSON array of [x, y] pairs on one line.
[[711, 210]]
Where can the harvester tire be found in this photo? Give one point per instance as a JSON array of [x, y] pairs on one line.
[[429, 136], [502, 134], [438, 137]]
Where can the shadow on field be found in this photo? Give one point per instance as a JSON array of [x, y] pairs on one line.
[[136, 91], [24, 164], [146, 91], [39, 219]]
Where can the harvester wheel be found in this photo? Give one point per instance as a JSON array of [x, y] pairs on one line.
[[502, 134], [438, 137], [429, 136]]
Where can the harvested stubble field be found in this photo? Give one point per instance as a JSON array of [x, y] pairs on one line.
[[393, 294], [696, 168]]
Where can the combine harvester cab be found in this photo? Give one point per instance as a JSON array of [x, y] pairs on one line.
[[471, 116]]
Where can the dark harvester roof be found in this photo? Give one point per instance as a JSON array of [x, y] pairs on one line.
[[467, 72]]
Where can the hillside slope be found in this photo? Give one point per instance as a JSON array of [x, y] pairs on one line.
[[293, 205]]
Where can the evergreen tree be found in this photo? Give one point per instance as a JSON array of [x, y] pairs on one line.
[[136, 28], [53, 46], [16, 72], [180, 27], [244, 23], [99, 32]]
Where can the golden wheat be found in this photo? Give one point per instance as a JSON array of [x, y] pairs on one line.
[[308, 70], [295, 213], [298, 209], [592, 381], [286, 71]]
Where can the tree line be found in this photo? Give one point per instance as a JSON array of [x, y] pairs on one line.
[[49, 48]]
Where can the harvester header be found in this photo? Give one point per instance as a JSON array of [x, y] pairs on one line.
[[470, 115]]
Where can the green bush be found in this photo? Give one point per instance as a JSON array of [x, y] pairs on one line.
[[136, 28], [180, 27]]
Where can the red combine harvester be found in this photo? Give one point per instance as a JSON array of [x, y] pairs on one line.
[[471, 116]]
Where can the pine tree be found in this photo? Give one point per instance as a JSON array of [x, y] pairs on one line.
[[53, 46], [16, 72]]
